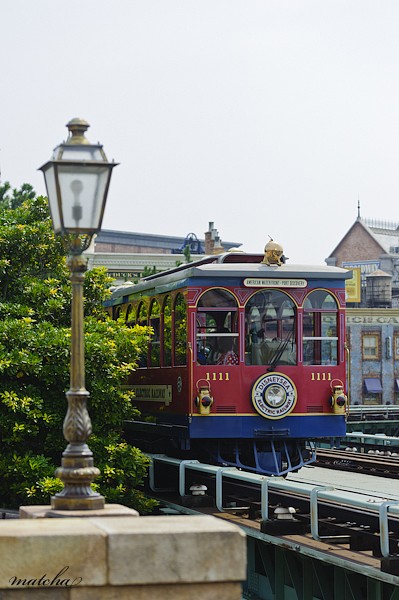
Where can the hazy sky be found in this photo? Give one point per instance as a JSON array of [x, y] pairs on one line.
[[268, 117]]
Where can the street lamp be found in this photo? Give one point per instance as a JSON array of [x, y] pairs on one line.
[[77, 181]]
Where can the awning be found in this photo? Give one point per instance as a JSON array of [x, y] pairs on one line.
[[373, 385]]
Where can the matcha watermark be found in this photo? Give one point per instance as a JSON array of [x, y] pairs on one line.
[[46, 581]]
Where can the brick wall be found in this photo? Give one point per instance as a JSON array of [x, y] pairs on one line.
[[357, 245]]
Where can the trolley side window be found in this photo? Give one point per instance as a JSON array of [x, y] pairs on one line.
[[154, 322], [270, 329], [217, 328], [142, 313], [129, 315], [142, 317], [167, 332], [180, 331], [320, 340]]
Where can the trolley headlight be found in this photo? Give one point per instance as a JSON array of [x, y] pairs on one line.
[[338, 400], [204, 398], [206, 401]]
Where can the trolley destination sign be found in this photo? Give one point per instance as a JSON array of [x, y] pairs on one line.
[[277, 283], [152, 393]]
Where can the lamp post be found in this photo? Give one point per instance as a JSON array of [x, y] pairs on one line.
[[77, 180]]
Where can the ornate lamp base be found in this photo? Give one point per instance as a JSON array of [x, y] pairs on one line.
[[77, 472], [95, 502]]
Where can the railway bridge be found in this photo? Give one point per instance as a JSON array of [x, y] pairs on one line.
[[319, 534]]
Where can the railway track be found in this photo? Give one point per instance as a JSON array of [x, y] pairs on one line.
[[363, 522], [381, 465]]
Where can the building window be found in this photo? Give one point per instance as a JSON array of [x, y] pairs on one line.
[[396, 346], [372, 390], [370, 346]]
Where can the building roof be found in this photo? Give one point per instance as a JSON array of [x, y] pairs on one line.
[[386, 233], [149, 240]]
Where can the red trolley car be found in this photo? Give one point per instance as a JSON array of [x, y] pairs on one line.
[[246, 364]]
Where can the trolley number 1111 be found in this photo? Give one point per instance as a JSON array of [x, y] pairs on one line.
[[321, 377], [217, 376]]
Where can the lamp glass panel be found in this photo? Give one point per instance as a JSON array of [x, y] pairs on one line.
[[49, 175], [83, 189], [82, 152]]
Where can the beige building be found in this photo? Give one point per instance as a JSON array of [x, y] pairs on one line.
[[126, 255]]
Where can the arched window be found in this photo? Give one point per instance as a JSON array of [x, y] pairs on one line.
[[320, 337], [142, 316], [142, 313], [167, 332], [129, 315], [270, 318], [217, 328], [180, 331], [154, 322]]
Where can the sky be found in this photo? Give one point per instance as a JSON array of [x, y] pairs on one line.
[[270, 118]]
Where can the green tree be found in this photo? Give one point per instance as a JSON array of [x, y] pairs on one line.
[[187, 253], [13, 198], [35, 299]]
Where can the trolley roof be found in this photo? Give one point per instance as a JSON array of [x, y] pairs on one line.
[[230, 265]]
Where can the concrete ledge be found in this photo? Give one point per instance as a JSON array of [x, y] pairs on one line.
[[43, 511], [174, 557], [219, 591], [42, 548], [173, 544]]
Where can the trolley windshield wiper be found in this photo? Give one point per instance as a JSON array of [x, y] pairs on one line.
[[280, 350]]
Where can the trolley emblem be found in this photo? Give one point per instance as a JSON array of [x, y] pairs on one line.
[[274, 395]]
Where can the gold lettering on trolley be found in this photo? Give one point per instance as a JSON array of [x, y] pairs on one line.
[[321, 377], [217, 376]]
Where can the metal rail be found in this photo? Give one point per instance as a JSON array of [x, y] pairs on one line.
[[313, 494], [373, 439], [380, 465], [366, 410]]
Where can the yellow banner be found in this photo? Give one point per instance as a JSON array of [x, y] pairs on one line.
[[353, 286]]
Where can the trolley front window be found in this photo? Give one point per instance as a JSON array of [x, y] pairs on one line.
[[270, 329]]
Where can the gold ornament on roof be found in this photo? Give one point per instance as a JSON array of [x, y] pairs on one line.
[[274, 254]]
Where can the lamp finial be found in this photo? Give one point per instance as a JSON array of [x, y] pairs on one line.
[[77, 128]]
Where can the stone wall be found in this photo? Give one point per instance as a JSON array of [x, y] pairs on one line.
[[121, 558]]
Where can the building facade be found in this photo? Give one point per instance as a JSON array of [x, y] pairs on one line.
[[373, 365], [370, 249], [127, 255]]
